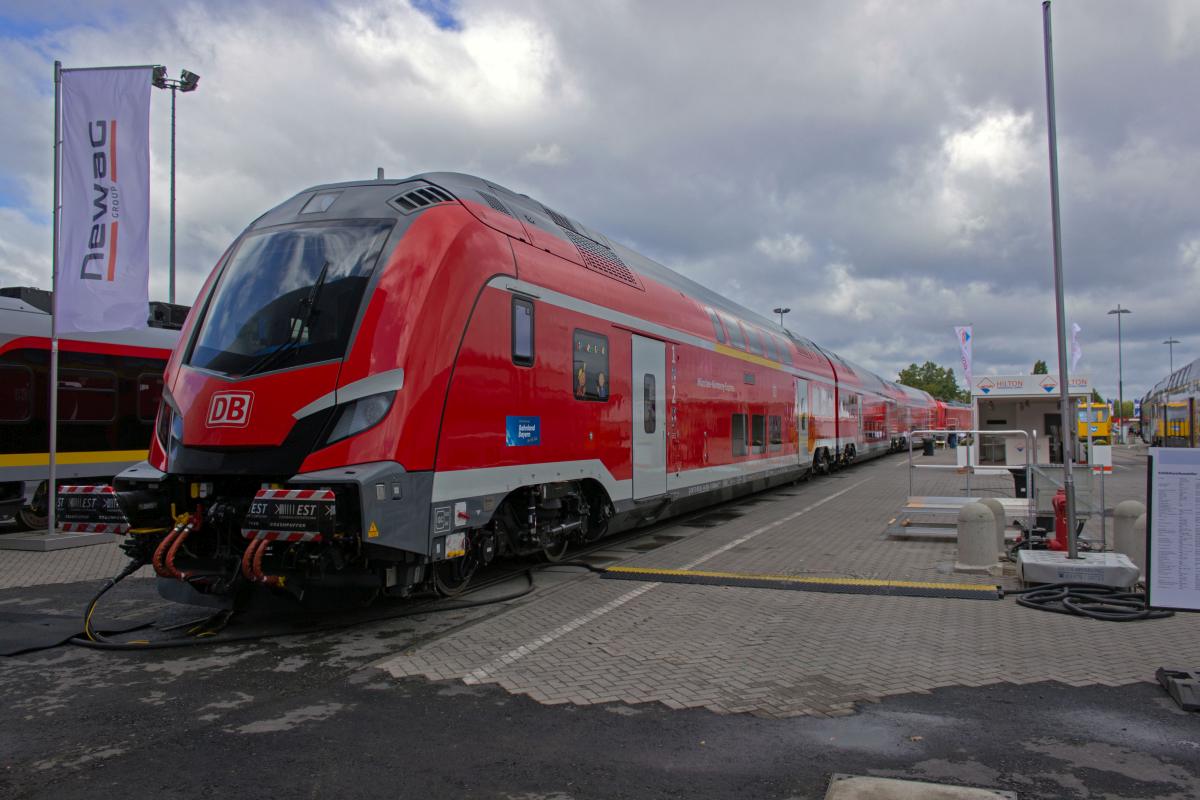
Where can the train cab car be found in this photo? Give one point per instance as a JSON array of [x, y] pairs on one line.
[[109, 385], [385, 385]]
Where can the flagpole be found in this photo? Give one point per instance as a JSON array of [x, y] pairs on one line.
[[51, 490], [1068, 426]]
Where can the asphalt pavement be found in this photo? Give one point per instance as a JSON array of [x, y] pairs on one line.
[[309, 715]]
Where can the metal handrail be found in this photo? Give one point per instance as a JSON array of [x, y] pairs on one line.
[[1029, 439]]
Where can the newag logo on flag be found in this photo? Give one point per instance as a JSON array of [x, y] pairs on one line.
[[103, 269]]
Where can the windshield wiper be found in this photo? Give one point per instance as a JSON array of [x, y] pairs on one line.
[[306, 310]]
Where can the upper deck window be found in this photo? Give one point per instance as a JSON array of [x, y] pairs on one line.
[[288, 296], [716, 323], [735, 332]]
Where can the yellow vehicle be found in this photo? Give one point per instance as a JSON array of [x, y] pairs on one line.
[[1095, 416]]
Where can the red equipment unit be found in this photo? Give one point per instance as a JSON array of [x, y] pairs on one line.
[[1060, 540]]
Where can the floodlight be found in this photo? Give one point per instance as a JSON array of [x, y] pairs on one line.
[[159, 78], [188, 81]]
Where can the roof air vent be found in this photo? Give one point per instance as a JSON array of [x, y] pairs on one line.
[[495, 203], [560, 220], [421, 197], [599, 258]]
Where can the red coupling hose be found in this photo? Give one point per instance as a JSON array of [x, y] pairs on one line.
[[169, 563], [269, 580], [248, 556], [161, 550]]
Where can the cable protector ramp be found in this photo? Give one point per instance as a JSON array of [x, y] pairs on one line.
[[808, 583]]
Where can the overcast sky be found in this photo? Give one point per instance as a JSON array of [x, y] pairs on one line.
[[879, 167]]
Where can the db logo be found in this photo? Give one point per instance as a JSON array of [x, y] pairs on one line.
[[229, 409]]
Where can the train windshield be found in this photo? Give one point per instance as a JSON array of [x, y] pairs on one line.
[[1093, 415], [289, 296]]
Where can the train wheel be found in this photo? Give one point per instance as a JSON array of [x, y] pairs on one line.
[[556, 550], [450, 577], [28, 520]]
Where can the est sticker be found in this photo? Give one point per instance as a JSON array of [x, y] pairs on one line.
[[456, 545]]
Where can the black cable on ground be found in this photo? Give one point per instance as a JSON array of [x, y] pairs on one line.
[[432, 607], [1092, 600]]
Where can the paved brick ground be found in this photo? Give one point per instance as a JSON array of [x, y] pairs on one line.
[[779, 653], [95, 562]]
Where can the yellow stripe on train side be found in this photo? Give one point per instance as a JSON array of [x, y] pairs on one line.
[[82, 457]]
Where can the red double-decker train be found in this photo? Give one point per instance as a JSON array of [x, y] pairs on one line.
[[388, 384]]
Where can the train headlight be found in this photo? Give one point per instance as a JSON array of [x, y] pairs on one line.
[[163, 424], [359, 415]]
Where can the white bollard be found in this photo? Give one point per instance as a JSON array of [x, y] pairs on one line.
[[1136, 546], [1124, 516], [976, 539], [997, 509]]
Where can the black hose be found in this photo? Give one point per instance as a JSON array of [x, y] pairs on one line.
[[1092, 600], [431, 607]]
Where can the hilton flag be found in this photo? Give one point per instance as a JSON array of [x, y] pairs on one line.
[[964, 345], [103, 266]]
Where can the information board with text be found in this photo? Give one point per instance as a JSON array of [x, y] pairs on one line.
[[1173, 528]]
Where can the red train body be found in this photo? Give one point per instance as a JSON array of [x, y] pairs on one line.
[[386, 384]]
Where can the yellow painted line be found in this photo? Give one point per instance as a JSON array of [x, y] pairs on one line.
[[808, 579], [83, 457]]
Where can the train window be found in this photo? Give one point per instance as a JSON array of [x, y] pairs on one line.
[[149, 393], [522, 332], [589, 371], [735, 332], [775, 432], [86, 396], [785, 350], [716, 323], [650, 422], [822, 401], [16, 393], [772, 353], [802, 404], [754, 341], [738, 434], [758, 432]]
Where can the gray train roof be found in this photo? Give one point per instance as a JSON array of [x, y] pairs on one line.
[[477, 189], [21, 319], [1178, 380], [470, 187]]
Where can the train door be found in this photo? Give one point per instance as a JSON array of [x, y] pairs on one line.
[[649, 424], [804, 427]]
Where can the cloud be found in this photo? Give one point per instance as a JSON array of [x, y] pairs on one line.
[[790, 248], [885, 178], [549, 155]]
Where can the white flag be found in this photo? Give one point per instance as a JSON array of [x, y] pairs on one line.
[[1076, 350], [103, 269], [964, 345]]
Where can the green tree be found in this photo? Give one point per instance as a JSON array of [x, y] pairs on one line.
[[938, 381], [1096, 398], [1040, 368]]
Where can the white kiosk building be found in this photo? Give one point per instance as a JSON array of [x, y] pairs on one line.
[[1023, 402]]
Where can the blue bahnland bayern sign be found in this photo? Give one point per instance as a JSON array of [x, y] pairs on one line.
[[521, 431]]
